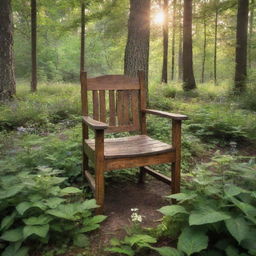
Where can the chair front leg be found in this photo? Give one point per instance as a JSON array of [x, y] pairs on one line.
[[176, 166], [99, 170]]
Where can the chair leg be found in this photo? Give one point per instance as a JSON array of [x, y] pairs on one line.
[[175, 179], [85, 165], [99, 188], [142, 175]]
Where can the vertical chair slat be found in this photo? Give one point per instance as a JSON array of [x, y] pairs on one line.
[[95, 98], [102, 107], [126, 107], [134, 109], [119, 106], [112, 108]]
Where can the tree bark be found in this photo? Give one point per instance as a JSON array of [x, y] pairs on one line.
[[215, 44], [251, 33], [204, 51], [137, 47], [241, 46], [165, 43], [82, 53], [7, 77], [33, 46], [180, 43], [188, 73], [173, 38]]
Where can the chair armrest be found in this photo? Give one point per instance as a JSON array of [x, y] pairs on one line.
[[94, 124], [165, 114]]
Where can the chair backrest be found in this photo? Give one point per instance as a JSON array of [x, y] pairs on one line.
[[116, 99]]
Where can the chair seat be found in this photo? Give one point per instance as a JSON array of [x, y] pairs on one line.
[[133, 146]]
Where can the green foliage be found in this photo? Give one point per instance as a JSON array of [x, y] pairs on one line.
[[35, 207], [220, 214]]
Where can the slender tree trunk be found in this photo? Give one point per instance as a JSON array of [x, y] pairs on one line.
[[204, 51], [180, 43], [137, 47], [33, 46], [251, 33], [241, 46], [82, 53], [215, 45], [173, 37], [165, 43], [188, 73], [7, 77]]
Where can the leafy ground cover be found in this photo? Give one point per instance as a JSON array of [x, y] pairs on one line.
[[43, 195]]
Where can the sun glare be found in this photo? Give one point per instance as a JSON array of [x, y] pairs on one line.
[[159, 18]]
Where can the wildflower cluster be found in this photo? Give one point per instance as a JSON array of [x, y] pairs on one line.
[[135, 217]]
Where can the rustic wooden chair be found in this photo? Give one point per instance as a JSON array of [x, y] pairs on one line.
[[127, 112]]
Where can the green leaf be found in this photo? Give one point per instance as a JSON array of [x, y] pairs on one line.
[[171, 210], [248, 209], [95, 219], [140, 240], [12, 191], [81, 240], [207, 215], [233, 190], [123, 250], [70, 190], [40, 220], [238, 228], [182, 196], [67, 211], [88, 228], [192, 240], [7, 221], [11, 250], [54, 202], [24, 206], [40, 231], [232, 251], [13, 235], [89, 204], [166, 251]]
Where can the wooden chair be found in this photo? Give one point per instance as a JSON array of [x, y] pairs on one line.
[[127, 112]]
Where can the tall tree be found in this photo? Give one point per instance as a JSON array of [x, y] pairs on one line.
[[33, 46], [241, 46], [174, 4], [215, 40], [7, 77], [204, 50], [252, 6], [180, 58], [137, 47], [165, 42], [82, 50], [188, 73]]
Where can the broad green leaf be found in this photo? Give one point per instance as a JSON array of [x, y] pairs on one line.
[[171, 210], [232, 251], [54, 202], [139, 240], [233, 190], [7, 221], [81, 240], [122, 250], [88, 228], [95, 219], [12, 251], [40, 220], [248, 209], [13, 235], [166, 251], [70, 190], [182, 196], [24, 206], [40, 231], [238, 228], [67, 212], [11, 191], [191, 241], [207, 215], [89, 204]]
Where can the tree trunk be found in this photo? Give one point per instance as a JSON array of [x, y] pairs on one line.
[[33, 47], [173, 38], [165, 42], [204, 51], [180, 43], [241, 46], [7, 77], [251, 33], [137, 47], [82, 61], [215, 44], [188, 73]]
